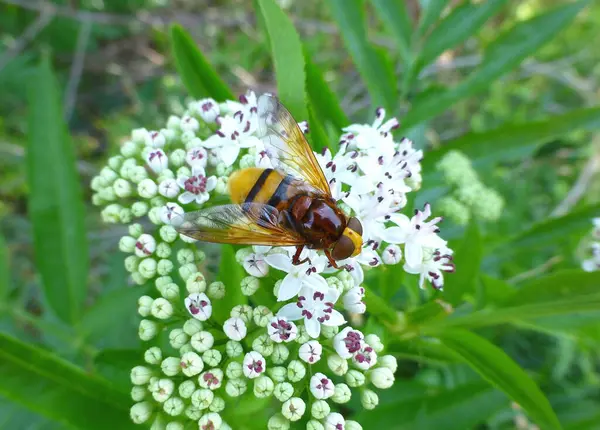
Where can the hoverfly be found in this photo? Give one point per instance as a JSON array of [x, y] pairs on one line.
[[289, 205]]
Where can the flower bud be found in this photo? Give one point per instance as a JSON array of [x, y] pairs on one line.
[[234, 370], [196, 283], [283, 391], [235, 329], [122, 188], [262, 315], [392, 254], [197, 156], [141, 412], [186, 348], [154, 215], [174, 406], [125, 215], [355, 378], [334, 421], [109, 175], [177, 158], [187, 388], [210, 420], [217, 405], [233, 349], [189, 123], [168, 233], [147, 188], [136, 230], [352, 425], [145, 245], [175, 425], [236, 387], [263, 386], [320, 409], [303, 335], [140, 375], [192, 326], [147, 330], [127, 244], [296, 371], [153, 355], [329, 332], [335, 283], [147, 268], [314, 425], [278, 422], [187, 270], [321, 387], [253, 365], [169, 291], [222, 185], [280, 354], [263, 345], [341, 394], [168, 188], [202, 341], [184, 171], [185, 256], [250, 285], [246, 161], [199, 306], [191, 364], [242, 311], [337, 364], [212, 357], [157, 160], [202, 398], [161, 309], [211, 379], [138, 393], [389, 361], [164, 267], [310, 352], [374, 342], [132, 263], [353, 300], [369, 399], [216, 291], [365, 357], [293, 409], [170, 366], [282, 330], [110, 214], [139, 209], [138, 279], [382, 377], [163, 390], [145, 305], [347, 342]]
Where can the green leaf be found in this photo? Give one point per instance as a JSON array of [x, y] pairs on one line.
[[503, 55], [58, 390], [421, 349], [317, 137], [349, 16], [4, 271], [462, 23], [231, 274], [324, 102], [467, 260], [430, 12], [288, 58], [397, 20], [55, 200], [513, 141], [379, 307], [501, 371], [198, 76]]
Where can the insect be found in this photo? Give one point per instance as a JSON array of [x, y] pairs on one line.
[[288, 205]]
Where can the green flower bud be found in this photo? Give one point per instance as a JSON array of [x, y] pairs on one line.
[[263, 345], [242, 311], [139, 209], [489, 205], [223, 170], [374, 342], [187, 270], [193, 413], [158, 202], [163, 280], [202, 398], [108, 194], [355, 378], [283, 391], [163, 390], [127, 244], [202, 341], [167, 233], [138, 393], [136, 230], [97, 200], [186, 348], [454, 210], [276, 287], [314, 425], [174, 425], [185, 256], [263, 386], [246, 161], [138, 279], [110, 214], [145, 305], [382, 377], [233, 349], [336, 283], [217, 405], [346, 279], [177, 158], [122, 188], [278, 422], [196, 283], [293, 409], [169, 291], [250, 285], [174, 406], [234, 370], [241, 255], [192, 326], [236, 387], [147, 267], [222, 185], [262, 316], [296, 371], [125, 216], [352, 425], [147, 188], [278, 373], [163, 250], [162, 309], [388, 361], [329, 332], [280, 354], [320, 409], [369, 399], [191, 364], [337, 364], [148, 329], [184, 171], [164, 267], [153, 355], [210, 420], [342, 394], [140, 375], [178, 338], [141, 412], [216, 291], [303, 336], [212, 357], [132, 263], [187, 388], [170, 366]]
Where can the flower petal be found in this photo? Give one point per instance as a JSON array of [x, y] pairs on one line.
[[413, 253], [279, 262], [336, 319], [186, 198], [316, 281], [291, 311], [313, 327], [289, 288], [394, 235], [229, 153]]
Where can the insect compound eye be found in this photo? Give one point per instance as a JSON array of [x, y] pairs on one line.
[[343, 248], [355, 225]]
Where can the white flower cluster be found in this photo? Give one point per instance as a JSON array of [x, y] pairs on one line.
[[592, 262], [295, 351]]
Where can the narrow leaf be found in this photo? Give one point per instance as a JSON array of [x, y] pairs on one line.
[[350, 19], [462, 23], [4, 271], [467, 259], [231, 274], [501, 371], [288, 57], [55, 201], [379, 307], [503, 55], [198, 76], [58, 390], [397, 20], [317, 137], [430, 13]]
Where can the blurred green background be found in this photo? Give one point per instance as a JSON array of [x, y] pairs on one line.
[[514, 85]]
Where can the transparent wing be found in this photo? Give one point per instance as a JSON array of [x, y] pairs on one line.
[[286, 145], [245, 224]]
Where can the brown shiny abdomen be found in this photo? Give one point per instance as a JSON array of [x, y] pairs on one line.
[[318, 220]]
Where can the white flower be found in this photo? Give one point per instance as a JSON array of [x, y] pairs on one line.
[[316, 308], [431, 267], [168, 188], [208, 109], [415, 233], [210, 421], [199, 306], [145, 245], [254, 365], [197, 157], [157, 160], [172, 213], [235, 329], [348, 342], [191, 364], [189, 123], [335, 421], [365, 357], [353, 300], [392, 254], [282, 330], [321, 386], [255, 263], [233, 135], [293, 409], [371, 211], [310, 352], [297, 275], [196, 187]]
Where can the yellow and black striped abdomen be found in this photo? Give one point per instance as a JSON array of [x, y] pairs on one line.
[[259, 186]]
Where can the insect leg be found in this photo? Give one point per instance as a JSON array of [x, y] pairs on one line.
[[296, 259], [331, 260]]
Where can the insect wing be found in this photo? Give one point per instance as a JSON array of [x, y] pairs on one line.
[[286, 145], [246, 224]]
